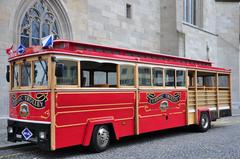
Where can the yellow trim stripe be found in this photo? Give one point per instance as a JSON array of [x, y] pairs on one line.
[[94, 105], [80, 124], [79, 111]]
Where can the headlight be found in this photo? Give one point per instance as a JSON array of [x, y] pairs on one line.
[[42, 135], [10, 130]]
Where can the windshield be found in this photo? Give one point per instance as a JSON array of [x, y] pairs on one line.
[[40, 73], [30, 73], [15, 75], [26, 74]]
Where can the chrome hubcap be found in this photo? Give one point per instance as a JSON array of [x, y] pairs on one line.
[[204, 121], [102, 137]]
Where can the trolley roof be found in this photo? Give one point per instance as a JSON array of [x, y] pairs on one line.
[[65, 47]]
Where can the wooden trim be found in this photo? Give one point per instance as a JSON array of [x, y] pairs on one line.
[[52, 84], [230, 85], [68, 86], [175, 78], [32, 74], [163, 78], [217, 95], [118, 76], [196, 97], [10, 87], [79, 74], [137, 101], [187, 103], [151, 76]]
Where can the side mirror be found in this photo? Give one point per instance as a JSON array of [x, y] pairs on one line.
[[59, 69], [8, 73]]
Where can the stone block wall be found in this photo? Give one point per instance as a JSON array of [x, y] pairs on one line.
[[228, 43], [200, 44], [104, 22]]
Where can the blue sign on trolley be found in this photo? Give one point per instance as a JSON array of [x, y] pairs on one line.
[[27, 134], [21, 49]]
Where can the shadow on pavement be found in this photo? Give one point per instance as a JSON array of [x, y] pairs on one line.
[[126, 141]]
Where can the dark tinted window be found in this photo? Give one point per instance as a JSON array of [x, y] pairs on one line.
[[70, 73], [181, 78], [157, 74], [170, 77], [126, 75], [144, 75]]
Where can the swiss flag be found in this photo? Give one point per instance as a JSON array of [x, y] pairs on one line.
[[9, 51]]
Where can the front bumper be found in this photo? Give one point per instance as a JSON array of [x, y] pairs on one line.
[[17, 136]]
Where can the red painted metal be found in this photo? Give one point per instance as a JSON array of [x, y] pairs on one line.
[[152, 117], [98, 51], [27, 106], [201, 110], [77, 112]]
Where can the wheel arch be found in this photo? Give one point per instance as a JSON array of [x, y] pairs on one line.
[[203, 110], [109, 121]]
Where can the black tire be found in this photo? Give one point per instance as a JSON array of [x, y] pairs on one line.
[[204, 122], [100, 138]]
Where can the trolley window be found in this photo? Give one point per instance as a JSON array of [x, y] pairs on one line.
[[126, 75], [96, 74], [181, 78], [26, 74], [16, 73], [144, 74], [223, 80], [40, 73], [170, 77], [69, 73], [157, 74]]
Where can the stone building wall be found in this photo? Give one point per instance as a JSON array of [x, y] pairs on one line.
[[104, 22], [6, 7], [228, 43], [200, 44], [216, 39], [155, 26], [198, 41], [100, 22], [168, 31]]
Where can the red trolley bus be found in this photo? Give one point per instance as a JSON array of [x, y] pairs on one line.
[[85, 94]]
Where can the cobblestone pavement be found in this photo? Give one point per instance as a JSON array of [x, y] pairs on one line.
[[221, 141]]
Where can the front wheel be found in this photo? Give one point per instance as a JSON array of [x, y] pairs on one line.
[[204, 123], [100, 138]]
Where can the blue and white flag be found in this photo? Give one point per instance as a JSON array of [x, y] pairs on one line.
[[21, 49], [47, 41]]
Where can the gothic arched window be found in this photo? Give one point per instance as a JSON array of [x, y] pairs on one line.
[[39, 21]]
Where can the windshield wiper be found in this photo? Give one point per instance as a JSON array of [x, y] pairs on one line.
[[25, 67], [45, 70]]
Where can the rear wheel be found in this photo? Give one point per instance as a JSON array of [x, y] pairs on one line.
[[100, 138], [204, 123]]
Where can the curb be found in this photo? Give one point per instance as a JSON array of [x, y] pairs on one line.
[[14, 146], [236, 115]]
